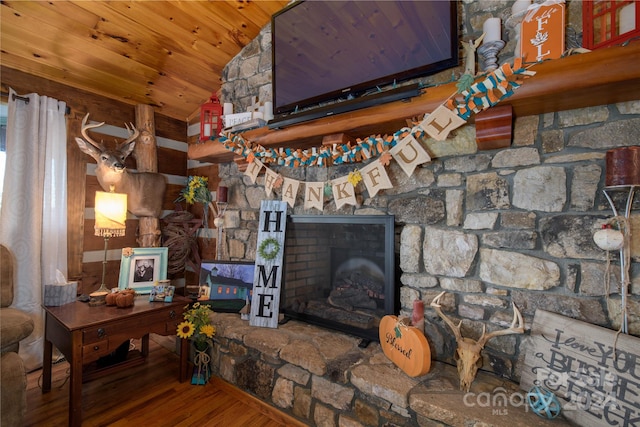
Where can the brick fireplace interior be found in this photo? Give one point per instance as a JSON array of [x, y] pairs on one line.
[[339, 272]]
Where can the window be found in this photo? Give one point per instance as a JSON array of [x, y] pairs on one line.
[[3, 144]]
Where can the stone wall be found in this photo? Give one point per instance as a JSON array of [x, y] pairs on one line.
[[490, 228], [326, 379]]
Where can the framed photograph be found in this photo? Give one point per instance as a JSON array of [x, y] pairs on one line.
[[163, 292], [140, 268], [226, 286]]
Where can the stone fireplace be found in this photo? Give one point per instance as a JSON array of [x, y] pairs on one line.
[[339, 272], [488, 227]]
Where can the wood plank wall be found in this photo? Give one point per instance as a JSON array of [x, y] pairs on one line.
[[85, 251]]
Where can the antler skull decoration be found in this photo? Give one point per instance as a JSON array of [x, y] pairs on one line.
[[467, 355]]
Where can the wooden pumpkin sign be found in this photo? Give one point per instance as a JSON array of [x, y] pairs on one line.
[[405, 346]]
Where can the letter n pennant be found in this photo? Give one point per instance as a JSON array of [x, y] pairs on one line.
[[314, 195]]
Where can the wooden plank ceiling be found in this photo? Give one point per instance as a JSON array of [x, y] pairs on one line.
[[168, 54]]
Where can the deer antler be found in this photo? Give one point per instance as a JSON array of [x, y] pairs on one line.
[[133, 133], [435, 303], [513, 329], [85, 127]]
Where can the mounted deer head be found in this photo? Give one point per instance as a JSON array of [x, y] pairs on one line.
[[468, 357], [145, 190]]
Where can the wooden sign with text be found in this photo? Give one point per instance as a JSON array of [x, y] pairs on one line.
[[542, 33], [595, 377], [405, 346], [267, 278]]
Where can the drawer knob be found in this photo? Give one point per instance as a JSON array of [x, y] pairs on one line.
[[101, 333], [96, 348], [172, 314]]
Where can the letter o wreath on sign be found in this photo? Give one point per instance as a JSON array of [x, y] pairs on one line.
[[269, 249], [405, 346]]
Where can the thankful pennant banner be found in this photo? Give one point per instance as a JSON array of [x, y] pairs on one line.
[[402, 146]]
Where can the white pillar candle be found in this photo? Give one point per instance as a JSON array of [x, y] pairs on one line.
[[491, 29], [268, 110], [520, 6], [227, 108]]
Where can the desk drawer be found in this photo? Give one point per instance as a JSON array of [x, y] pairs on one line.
[[92, 352], [97, 334]]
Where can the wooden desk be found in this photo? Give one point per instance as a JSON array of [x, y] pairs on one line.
[[84, 334]]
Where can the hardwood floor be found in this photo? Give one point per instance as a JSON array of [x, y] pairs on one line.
[[149, 394]]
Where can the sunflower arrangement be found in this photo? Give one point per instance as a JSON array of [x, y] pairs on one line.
[[197, 191], [197, 324]]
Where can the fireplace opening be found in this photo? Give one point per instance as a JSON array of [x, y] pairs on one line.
[[339, 272]]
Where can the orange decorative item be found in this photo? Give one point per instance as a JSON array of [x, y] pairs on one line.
[[210, 119], [405, 346], [122, 299], [542, 33], [125, 299], [111, 298], [607, 23]]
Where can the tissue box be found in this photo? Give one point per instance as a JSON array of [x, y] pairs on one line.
[[55, 295]]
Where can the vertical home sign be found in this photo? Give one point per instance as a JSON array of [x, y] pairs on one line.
[[267, 278]]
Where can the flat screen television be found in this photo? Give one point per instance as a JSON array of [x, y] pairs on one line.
[[329, 50]]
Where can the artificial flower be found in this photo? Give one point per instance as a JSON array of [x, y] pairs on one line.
[[196, 191], [355, 177], [197, 323], [127, 252], [185, 330], [208, 330]]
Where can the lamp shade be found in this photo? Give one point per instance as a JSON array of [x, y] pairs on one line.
[[111, 213]]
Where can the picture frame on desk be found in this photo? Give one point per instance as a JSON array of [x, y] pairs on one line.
[[162, 292], [225, 286], [141, 268]]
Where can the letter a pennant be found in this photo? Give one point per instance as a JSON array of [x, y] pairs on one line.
[[409, 154], [290, 191]]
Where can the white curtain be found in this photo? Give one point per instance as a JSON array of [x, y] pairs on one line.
[[33, 218]]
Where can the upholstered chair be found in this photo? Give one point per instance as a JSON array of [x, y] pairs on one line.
[[15, 325]]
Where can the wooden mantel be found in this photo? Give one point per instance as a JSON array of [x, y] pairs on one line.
[[601, 77]]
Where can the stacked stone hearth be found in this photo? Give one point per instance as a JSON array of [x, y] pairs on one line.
[[326, 379], [490, 228]]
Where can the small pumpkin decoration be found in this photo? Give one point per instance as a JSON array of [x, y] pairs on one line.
[[111, 298], [405, 345], [122, 299]]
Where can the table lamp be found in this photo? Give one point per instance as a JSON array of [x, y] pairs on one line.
[[111, 213]]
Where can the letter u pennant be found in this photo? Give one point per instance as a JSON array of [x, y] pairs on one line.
[[409, 154]]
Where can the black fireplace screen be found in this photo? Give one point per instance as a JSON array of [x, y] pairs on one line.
[[339, 272]]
